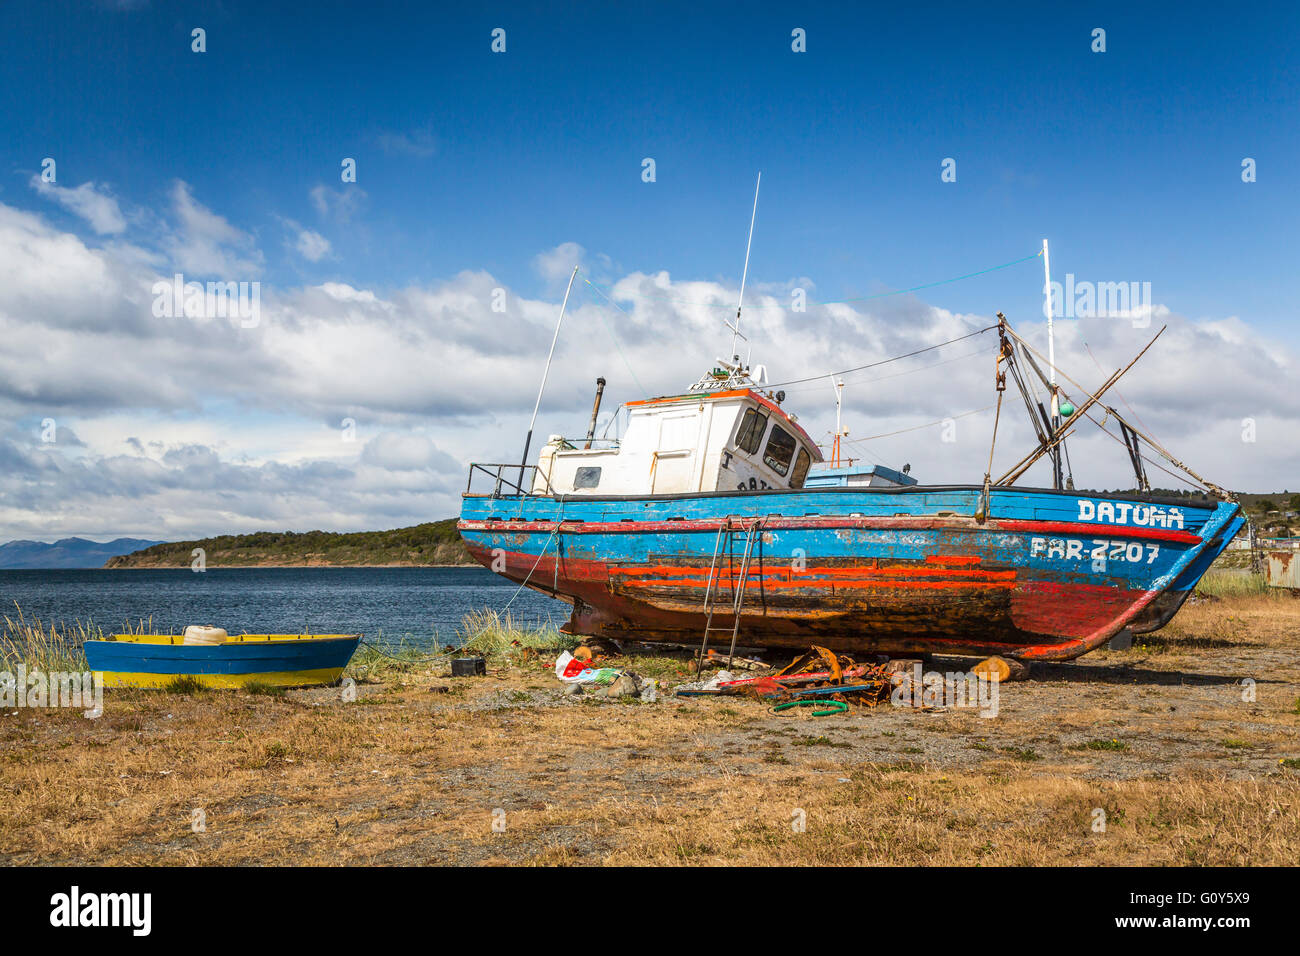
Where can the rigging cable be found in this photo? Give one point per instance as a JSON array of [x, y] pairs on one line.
[[860, 368], [546, 544], [612, 336], [1154, 464], [882, 378], [862, 298], [1117, 391], [973, 411], [1160, 449]]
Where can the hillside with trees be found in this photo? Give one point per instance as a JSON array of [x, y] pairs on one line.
[[431, 544]]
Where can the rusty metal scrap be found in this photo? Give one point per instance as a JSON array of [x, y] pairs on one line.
[[819, 673]]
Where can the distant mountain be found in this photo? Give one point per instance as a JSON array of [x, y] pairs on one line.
[[435, 543], [68, 553]]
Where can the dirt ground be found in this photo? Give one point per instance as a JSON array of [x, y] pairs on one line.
[[1155, 755]]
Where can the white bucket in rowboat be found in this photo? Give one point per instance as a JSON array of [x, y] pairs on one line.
[[204, 634]]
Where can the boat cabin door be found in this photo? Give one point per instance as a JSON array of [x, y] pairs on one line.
[[673, 463]]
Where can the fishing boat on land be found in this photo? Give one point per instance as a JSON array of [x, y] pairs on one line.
[[221, 661], [703, 516], [715, 517]]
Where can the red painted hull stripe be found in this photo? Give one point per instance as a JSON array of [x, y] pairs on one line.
[[676, 572], [813, 522], [700, 583], [1107, 530]]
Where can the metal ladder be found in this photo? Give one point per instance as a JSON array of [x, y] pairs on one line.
[[728, 534]]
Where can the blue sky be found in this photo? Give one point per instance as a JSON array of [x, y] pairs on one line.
[[471, 160], [472, 163]]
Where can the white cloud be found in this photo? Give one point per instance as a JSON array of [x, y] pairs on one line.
[[240, 428], [554, 265], [311, 245], [90, 201], [206, 244], [407, 452], [339, 205], [419, 143]]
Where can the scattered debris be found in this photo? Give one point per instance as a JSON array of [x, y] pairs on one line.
[[573, 670], [820, 674], [581, 676], [468, 667], [625, 686], [1002, 670], [714, 659], [838, 706]]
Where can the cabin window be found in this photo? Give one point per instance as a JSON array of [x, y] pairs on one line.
[[779, 451], [750, 434], [586, 478], [801, 465]]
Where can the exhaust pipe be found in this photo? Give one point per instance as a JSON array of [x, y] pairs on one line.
[[595, 410]]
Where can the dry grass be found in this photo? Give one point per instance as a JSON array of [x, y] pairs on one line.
[[1219, 582], [497, 635], [1160, 738], [41, 647]]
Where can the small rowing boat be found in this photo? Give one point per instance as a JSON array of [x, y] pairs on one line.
[[282, 660]]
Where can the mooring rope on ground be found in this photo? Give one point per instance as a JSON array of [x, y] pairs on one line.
[[409, 660]]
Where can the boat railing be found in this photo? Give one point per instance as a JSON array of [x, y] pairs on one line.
[[589, 444], [506, 476]]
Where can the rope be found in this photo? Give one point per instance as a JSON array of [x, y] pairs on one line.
[[863, 298], [839, 705], [973, 411], [861, 368], [883, 378], [1154, 464], [811, 378], [931, 285], [993, 442], [612, 336], [1151, 442], [409, 660], [1117, 391], [554, 531]]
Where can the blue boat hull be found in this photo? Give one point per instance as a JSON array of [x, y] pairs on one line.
[[148, 662], [1044, 575]]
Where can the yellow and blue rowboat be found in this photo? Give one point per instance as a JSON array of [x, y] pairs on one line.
[[283, 660]]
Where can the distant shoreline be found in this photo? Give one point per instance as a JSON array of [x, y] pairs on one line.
[[430, 545]]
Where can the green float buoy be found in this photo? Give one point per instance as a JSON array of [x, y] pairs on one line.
[[1066, 409]]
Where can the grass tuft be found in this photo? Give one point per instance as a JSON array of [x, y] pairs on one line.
[[491, 634], [373, 663], [1231, 583], [41, 647], [51, 647], [186, 684]]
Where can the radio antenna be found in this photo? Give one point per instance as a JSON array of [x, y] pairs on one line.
[[735, 329]]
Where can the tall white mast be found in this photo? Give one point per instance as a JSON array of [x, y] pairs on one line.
[[735, 329], [1054, 398], [838, 384], [545, 372], [1047, 308]]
